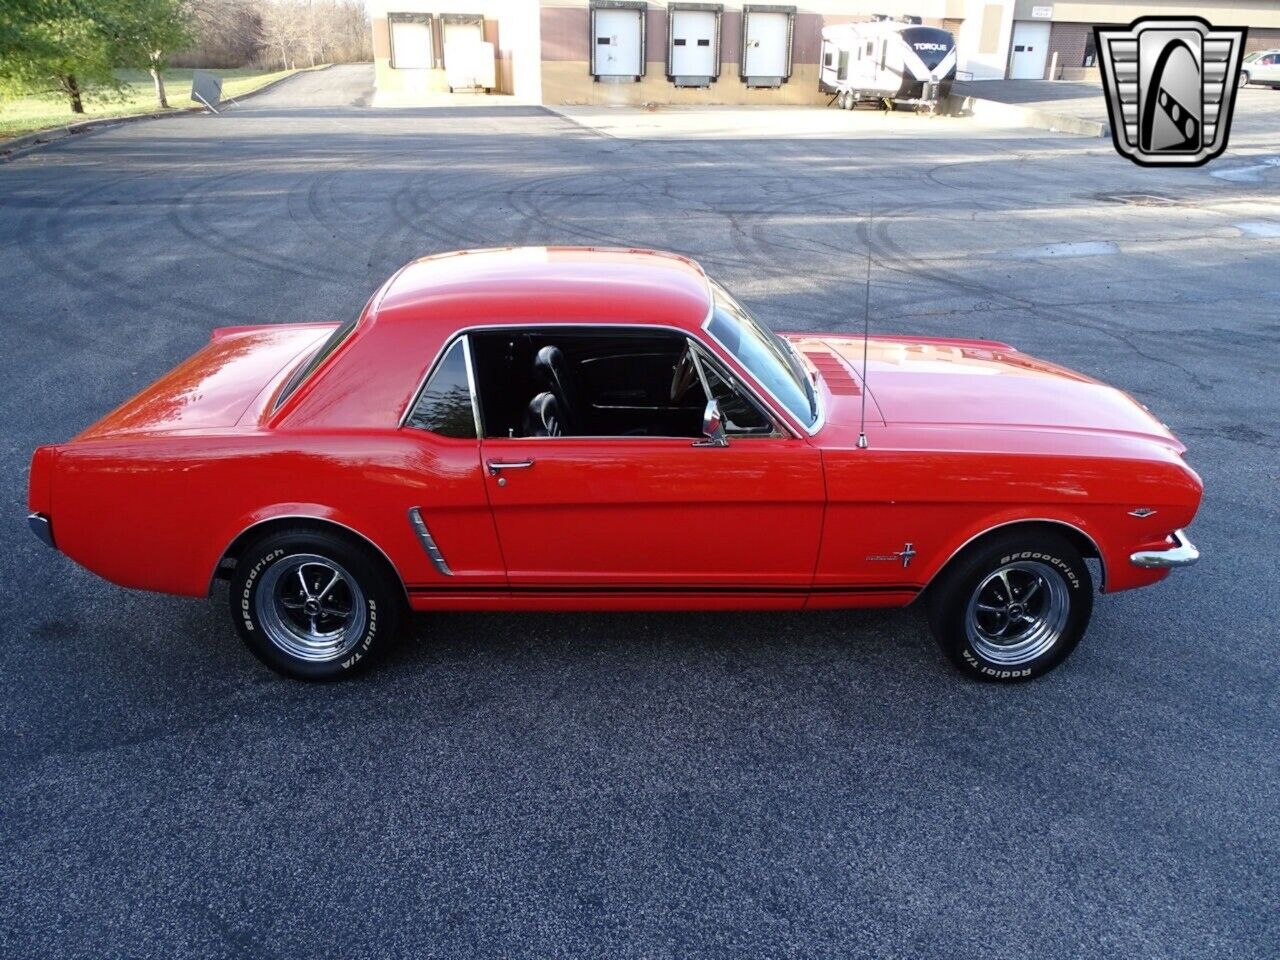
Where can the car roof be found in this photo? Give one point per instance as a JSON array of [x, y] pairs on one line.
[[560, 284]]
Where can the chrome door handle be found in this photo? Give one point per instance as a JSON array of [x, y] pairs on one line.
[[497, 466]]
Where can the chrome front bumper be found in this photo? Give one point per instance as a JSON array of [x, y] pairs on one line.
[[42, 528], [1183, 555]]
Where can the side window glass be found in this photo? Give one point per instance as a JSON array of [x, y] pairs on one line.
[[444, 406]]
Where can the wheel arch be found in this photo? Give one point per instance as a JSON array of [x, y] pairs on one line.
[[296, 521], [1082, 541]]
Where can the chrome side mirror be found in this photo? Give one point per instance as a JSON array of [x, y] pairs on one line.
[[712, 427]]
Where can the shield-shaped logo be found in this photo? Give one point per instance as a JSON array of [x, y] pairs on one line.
[[1171, 86]]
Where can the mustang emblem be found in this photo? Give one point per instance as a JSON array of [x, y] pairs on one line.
[[906, 554]]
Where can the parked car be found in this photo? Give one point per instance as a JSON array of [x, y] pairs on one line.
[[598, 429], [1261, 67]]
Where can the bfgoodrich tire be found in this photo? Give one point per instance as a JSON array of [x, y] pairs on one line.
[[314, 605], [1012, 607]]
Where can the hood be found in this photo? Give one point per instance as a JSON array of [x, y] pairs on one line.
[[983, 383], [214, 386]]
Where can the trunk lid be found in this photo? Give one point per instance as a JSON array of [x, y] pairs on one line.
[[217, 384]]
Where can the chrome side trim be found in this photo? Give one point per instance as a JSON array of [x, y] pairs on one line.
[[1182, 555], [42, 527], [471, 386], [428, 542], [769, 408], [1009, 523]]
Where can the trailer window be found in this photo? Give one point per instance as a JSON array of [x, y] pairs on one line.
[[842, 72], [826, 59]]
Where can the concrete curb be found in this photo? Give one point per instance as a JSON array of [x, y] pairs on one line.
[[1033, 117], [20, 146]]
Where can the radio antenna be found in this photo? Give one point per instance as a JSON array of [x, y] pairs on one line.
[[866, 326]]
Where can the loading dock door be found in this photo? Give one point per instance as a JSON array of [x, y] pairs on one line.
[[694, 56], [766, 45], [411, 44], [468, 32], [1030, 50], [616, 46]]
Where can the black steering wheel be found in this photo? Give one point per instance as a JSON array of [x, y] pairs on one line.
[[684, 375]]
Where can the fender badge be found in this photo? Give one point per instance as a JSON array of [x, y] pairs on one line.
[[906, 554], [1141, 512]]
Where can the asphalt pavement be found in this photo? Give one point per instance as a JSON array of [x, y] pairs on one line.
[[658, 785]]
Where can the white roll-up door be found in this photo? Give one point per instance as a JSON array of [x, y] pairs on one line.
[[766, 46], [694, 45], [616, 43], [411, 44], [465, 31]]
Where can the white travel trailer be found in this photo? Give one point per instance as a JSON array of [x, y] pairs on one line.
[[887, 60]]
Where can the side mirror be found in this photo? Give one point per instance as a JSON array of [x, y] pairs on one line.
[[712, 427]]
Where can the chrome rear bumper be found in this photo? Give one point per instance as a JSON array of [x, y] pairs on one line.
[[42, 528], [1183, 555]]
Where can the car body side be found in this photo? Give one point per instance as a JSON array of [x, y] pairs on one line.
[[154, 501]]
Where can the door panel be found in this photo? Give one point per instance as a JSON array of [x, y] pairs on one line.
[[617, 43], [766, 47], [693, 43], [1030, 50], [648, 512]]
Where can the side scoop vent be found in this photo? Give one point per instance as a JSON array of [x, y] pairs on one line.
[[839, 382]]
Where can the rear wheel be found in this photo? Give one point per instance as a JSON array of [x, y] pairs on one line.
[[314, 605], [1013, 607]]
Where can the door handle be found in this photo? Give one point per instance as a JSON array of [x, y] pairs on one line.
[[497, 466]]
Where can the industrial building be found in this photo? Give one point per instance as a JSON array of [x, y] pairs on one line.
[[671, 52]]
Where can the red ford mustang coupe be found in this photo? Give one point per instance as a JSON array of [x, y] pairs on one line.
[[595, 429]]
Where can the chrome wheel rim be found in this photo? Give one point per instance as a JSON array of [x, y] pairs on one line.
[[311, 608], [1018, 612]]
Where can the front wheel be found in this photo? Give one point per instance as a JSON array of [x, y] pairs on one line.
[[1244, 79], [313, 605], [1013, 607]]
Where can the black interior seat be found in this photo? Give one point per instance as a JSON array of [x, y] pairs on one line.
[[544, 417], [554, 374]]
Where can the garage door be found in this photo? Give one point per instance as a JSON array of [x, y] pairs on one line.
[[472, 32], [766, 49], [695, 46], [616, 51], [1030, 49], [411, 44]]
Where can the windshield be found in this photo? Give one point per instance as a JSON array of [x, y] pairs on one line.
[[769, 358]]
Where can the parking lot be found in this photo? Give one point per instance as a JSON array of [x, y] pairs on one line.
[[646, 785]]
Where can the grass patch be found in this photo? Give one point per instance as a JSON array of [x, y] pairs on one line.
[[23, 115]]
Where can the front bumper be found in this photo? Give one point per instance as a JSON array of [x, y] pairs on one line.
[[1182, 555], [42, 527]]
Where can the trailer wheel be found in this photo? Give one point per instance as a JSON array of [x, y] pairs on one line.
[[846, 100]]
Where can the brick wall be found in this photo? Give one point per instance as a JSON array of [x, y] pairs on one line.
[[1261, 39], [1068, 41]]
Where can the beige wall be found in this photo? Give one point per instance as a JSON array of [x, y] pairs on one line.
[[510, 25], [1227, 13], [566, 71]]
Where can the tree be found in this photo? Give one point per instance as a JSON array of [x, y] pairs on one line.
[[53, 44], [147, 32]]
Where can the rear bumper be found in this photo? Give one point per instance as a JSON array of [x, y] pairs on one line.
[[1183, 554], [42, 527]]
